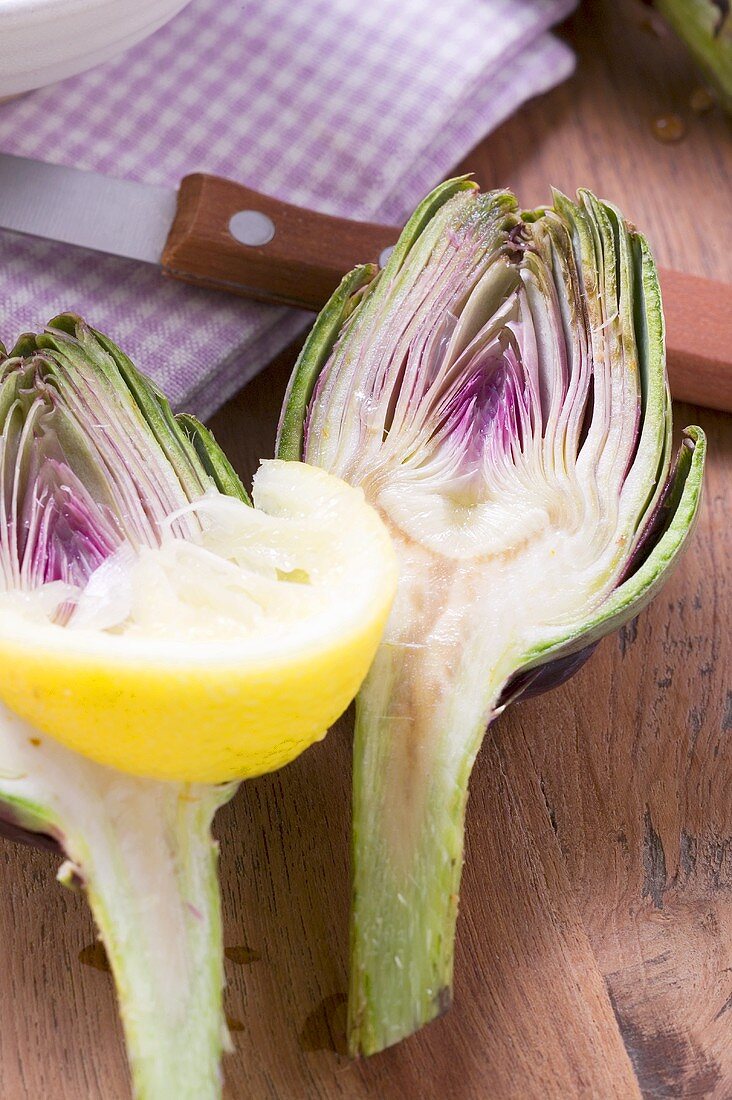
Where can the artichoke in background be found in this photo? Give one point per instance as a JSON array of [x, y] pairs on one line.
[[153, 620], [498, 391], [705, 27]]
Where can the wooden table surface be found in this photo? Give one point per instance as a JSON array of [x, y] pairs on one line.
[[595, 936]]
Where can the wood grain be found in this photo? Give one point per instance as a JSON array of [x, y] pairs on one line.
[[594, 939]]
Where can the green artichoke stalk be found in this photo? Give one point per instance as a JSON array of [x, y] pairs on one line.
[[90, 455], [498, 390]]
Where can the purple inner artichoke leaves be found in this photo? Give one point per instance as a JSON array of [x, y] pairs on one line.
[[93, 463], [499, 392]]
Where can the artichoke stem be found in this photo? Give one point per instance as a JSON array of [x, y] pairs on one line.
[[149, 870], [411, 776]]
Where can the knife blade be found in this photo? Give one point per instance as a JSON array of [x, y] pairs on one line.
[[220, 234], [212, 231], [86, 209]]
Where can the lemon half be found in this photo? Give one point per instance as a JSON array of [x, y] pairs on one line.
[[217, 658]]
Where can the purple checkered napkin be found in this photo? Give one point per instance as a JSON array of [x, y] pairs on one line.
[[354, 108]]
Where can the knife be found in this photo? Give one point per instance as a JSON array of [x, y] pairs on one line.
[[220, 234]]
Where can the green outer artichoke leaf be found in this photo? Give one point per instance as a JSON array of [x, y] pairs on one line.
[[212, 458], [324, 333]]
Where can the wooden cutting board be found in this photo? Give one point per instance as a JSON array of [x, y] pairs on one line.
[[595, 935]]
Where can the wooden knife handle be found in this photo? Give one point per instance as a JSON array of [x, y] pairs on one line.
[[309, 253], [698, 339], [300, 266]]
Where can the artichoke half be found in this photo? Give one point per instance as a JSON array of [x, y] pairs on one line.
[[90, 458], [498, 390], [160, 638]]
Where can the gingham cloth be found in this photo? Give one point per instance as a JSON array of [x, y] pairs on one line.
[[353, 107]]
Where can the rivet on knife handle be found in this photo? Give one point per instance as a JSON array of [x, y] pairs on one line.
[[300, 261]]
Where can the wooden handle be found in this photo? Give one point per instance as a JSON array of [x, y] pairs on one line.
[[698, 339], [301, 265], [309, 253]]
